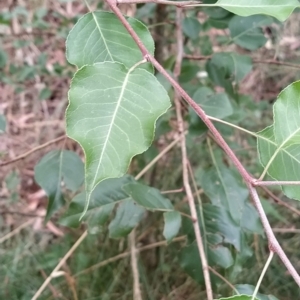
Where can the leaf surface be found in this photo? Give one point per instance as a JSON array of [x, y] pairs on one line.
[[112, 113], [100, 36], [276, 8], [172, 224], [279, 144], [247, 32], [54, 168]]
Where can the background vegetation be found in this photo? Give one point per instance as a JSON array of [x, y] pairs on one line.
[[34, 81]]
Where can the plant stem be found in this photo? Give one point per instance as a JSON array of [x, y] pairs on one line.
[[62, 262], [185, 172], [262, 274], [165, 2], [273, 243]]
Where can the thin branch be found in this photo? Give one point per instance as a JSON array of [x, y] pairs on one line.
[[262, 274], [127, 253], [16, 231], [269, 183], [185, 172], [224, 279], [137, 294], [24, 155], [257, 61], [273, 243], [158, 157], [164, 2], [59, 265], [280, 202]]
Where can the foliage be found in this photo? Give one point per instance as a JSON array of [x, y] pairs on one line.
[[119, 112]]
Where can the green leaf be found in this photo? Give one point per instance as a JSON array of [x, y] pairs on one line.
[[172, 224], [100, 36], [191, 27], [112, 114], [215, 105], [223, 189], [227, 67], [54, 168], [127, 217], [249, 289], [220, 256], [148, 197], [276, 8], [247, 32], [2, 123], [103, 199], [3, 58], [239, 297], [279, 144]]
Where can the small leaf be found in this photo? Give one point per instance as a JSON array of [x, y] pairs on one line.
[[53, 169], [227, 67], [279, 144], [247, 32], [220, 256], [112, 114], [191, 27], [127, 217], [215, 105], [172, 224], [100, 36], [276, 8], [148, 197], [103, 199], [2, 123]]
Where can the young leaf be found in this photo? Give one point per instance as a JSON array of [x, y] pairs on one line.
[[247, 32], [276, 8], [112, 114], [191, 27], [55, 167], [103, 199], [127, 217], [172, 224], [279, 144], [100, 36], [148, 197], [249, 289]]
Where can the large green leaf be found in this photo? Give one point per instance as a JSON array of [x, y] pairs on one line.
[[112, 114], [277, 8], [279, 145], [100, 36], [191, 27], [54, 168], [247, 32]]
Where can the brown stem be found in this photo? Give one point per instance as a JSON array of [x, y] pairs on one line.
[[185, 173]]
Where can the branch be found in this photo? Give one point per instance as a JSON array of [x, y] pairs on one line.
[[24, 155], [185, 173], [164, 2], [137, 295], [273, 243], [254, 60], [199, 111], [59, 265]]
